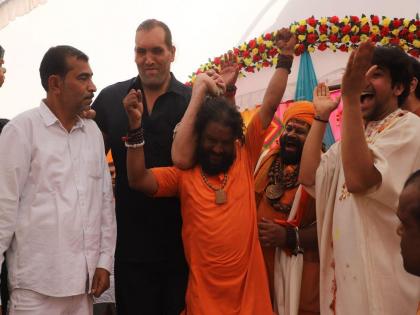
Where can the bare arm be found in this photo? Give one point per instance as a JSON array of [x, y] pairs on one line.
[[185, 140], [278, 82], [311, 155], [359, 169], [139, 177]]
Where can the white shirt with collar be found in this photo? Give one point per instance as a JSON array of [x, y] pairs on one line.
[[57, 217]]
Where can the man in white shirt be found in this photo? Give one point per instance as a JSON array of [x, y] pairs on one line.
[[57, 218]]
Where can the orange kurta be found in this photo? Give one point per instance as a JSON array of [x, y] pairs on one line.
[[227, 272], [309, 297]]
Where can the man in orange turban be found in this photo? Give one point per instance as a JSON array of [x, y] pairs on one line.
[[287, 226]]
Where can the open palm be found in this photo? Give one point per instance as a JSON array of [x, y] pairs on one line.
[[323, 102]]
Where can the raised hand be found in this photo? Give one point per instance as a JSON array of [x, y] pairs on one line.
[[211, 81], [134, 108], [323, 102], [360, 61], [229, 68], [286, 41]]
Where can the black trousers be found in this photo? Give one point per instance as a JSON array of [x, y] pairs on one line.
[[152, 288], [3, 288]]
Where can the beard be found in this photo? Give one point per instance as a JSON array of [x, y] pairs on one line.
[[290, 158], [210, 168]]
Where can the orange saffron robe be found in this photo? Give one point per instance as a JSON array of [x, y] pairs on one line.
[[227, 272]]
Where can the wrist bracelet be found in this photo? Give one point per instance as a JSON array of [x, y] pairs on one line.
[[317, 118], [230, 90], [134, 146], [293, 240], [285, 62]]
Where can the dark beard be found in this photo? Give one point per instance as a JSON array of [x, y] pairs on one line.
[[290, 158], [203, 158]]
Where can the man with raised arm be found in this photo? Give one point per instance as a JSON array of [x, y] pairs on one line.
[[357, 184]]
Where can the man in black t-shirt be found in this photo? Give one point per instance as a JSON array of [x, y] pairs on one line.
[[150, 268]]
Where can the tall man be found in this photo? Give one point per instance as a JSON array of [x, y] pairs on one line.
[[357, 184], [150, 269], [57, 219]]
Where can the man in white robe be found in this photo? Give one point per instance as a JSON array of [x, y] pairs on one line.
[[357, 184]]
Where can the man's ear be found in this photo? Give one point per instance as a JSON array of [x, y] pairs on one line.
[[55, 83], [173, 50], [413, 84], [398, 89]]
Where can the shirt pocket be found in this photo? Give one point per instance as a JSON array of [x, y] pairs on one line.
[[94, 168]]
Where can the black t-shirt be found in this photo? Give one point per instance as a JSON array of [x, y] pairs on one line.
[[148, 229]]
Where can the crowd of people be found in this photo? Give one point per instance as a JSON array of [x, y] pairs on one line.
[[200, 220]]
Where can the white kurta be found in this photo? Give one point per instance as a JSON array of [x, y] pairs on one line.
[[361, 265]]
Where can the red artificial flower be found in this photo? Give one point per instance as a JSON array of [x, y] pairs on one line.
[[414, 52], [418, 34], [272, 52], [252, 43], [355, 39], [410, 37], [346, 29], [261, 48], [394, 41], [396, 23], [334, 19], [245, 54], [198, 72], [374, 19], [323, 29], [322, 46], [343, 48], [189, 83], [311, 38], [373, 38], [250, 69], [417, 23], [256, 58], [236, 51], [216, 61], [365, 29], [302, 29], [311, 21], [403, 32], [333, 38], [385, 31], [266, 64], [354, 19], [267, 36], [300, 49]]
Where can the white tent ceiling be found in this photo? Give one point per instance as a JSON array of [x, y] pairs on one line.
[[10, 9]]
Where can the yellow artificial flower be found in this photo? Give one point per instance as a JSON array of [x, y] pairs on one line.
[[255, 51], [334, 29], [406, 22], [247, 61], [269, 44], [274, 60], [405, 47], [310, 29], [412, 28], [258, 66], [363, 37], [243, 47], [293, 28], [260, 40], [332, 47], [323, 38], [302, 22], [345, 39], [385, 40], [375, 29], [355, 29], [311, 48], [395, 32], [364, 20], [416, 43], [193, 78], [386, 21], [323, 21], [345, 20], [302, 37], [264, 56], [402, 42]]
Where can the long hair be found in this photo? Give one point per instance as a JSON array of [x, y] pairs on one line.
[[219, 110]]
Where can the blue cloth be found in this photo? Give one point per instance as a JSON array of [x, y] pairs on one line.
[[305, 86]]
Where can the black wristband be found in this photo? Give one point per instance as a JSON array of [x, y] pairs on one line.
[[285, 62], [290, 238], [317, 118]]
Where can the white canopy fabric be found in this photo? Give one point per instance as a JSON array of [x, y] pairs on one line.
[[329, 66], [10, 9]]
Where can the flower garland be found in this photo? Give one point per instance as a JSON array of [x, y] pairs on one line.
[[333, 33]]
